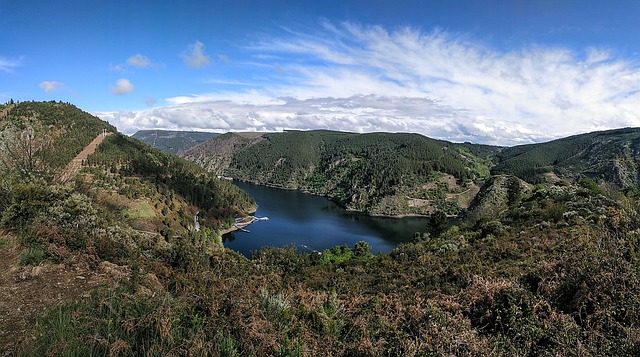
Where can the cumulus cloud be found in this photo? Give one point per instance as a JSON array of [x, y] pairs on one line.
[[135, 61], [447, 86], [8, 65], [150, 101], [122, 87], [194, 56], [138, 60], [50, 86]]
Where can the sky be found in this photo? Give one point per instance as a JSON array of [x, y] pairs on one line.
[[482, 71]]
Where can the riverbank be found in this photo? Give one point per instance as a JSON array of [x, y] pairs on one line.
[[333, 199], [240, 225]]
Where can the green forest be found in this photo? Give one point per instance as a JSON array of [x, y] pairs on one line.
[[359, 171]]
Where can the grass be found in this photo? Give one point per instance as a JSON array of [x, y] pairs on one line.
[[33, 256], [140, 210]]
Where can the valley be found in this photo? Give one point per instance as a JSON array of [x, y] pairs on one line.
[[542, 259]]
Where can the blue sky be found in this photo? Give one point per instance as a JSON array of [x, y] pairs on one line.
[[496, 72]]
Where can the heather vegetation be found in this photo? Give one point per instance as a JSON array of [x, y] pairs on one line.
[[550, 269], [557, 275]]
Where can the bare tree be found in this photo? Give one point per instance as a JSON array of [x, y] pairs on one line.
[[23, 150]]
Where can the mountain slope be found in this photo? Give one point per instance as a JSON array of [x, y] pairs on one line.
[[224, 147], [67, 128], [379, 173], [173, 142], [123, 208], [548, 270], [608, 156]]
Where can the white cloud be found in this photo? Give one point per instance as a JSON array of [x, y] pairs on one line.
[[50, 86], [359, 78], [122, 86], [135, 61], [117, 68], [138, 60], [194, 56], [8, 65]]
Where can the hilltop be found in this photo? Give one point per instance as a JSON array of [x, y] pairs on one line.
[[610, 156], [397, 174]]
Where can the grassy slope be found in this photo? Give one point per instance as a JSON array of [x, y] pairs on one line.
[[559, 270]]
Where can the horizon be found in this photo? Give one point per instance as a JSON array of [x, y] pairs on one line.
[[506, 73]]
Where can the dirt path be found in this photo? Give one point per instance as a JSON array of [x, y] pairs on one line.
[[73, 168], [26, 291]]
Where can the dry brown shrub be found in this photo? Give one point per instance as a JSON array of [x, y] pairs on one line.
[[119, 348]]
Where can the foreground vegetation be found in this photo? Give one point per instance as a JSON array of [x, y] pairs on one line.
[[558, 275]]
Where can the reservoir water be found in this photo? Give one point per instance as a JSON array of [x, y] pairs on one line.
[[315, 223]]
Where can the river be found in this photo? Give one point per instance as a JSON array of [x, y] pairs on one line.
[[315, 223]]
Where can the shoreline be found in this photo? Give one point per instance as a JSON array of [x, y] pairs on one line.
[[239, 226], [364, 213]]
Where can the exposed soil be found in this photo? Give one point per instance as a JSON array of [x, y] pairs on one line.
[[26, 291], [73, 168]]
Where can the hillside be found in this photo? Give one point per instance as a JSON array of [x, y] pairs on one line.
[[224, 147], [378, 173], [173, 142], [76, 204], [605, 156]]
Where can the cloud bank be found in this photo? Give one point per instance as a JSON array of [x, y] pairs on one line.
[[443, 85]]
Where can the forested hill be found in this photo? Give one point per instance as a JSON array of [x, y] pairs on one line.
[[380, 173], [60, 130], [173, 142], [125, 186], [605, 156]]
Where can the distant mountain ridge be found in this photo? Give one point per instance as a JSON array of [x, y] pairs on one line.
[[171, 141]]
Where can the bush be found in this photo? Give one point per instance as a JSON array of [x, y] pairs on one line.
[[33, 256]]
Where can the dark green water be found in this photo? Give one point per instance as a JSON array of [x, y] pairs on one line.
[[314, 223]]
